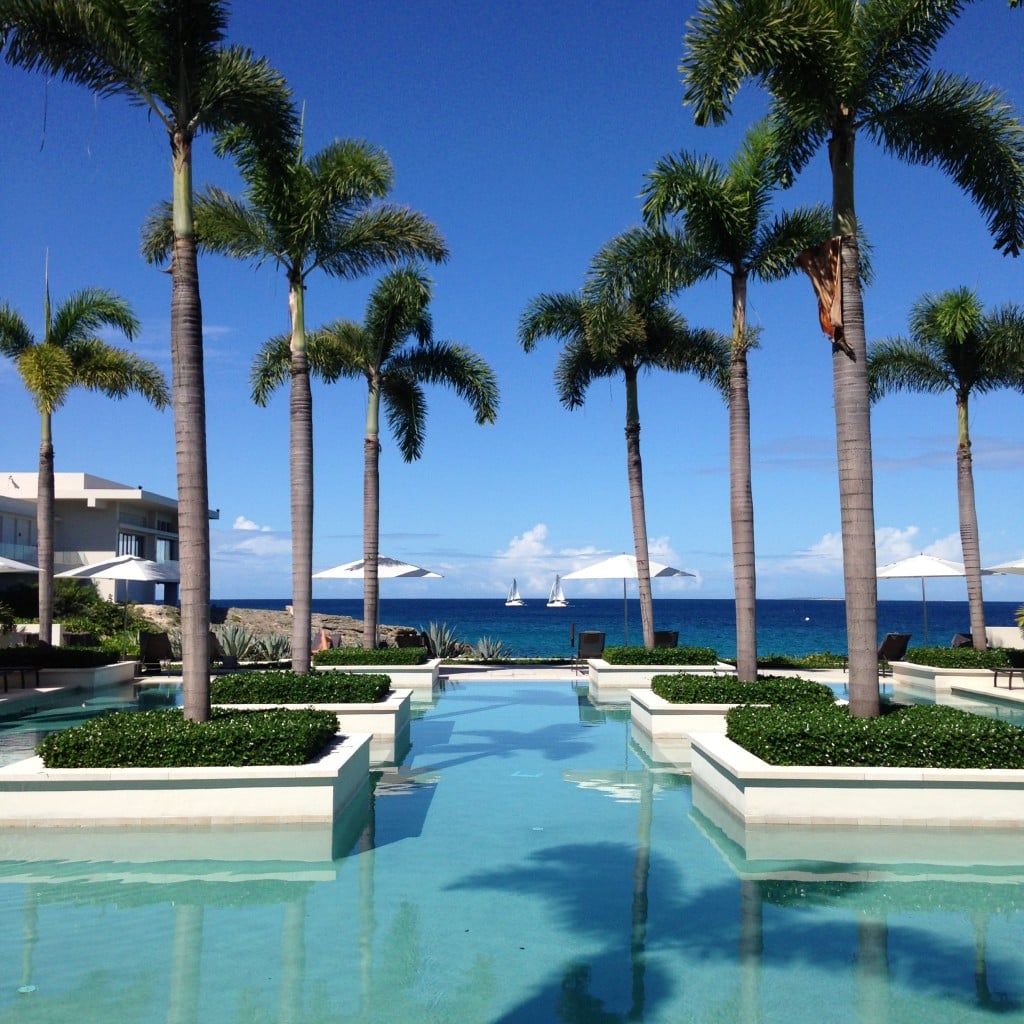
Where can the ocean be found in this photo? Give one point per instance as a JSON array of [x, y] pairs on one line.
[[536, 631]]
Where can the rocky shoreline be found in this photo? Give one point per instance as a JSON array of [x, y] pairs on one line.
[[265, 622]]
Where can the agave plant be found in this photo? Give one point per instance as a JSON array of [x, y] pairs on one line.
[[489, 649], [238, 641], [276, 647], [443, 641]]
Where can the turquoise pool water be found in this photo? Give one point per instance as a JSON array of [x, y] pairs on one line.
[[526, 863]]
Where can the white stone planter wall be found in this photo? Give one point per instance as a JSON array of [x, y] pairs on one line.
[[760, 793], [32, 795], [662, 719], [419, 678], [102, 675], [927, 679]]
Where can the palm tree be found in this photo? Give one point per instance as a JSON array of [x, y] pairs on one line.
[[725, 216], [381, 349], [168, 57], [955, 346], [837, 69], [70, 354], [304, 214], [621, 322]]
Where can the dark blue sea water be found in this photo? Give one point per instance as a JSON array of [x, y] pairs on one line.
[[784, 627]]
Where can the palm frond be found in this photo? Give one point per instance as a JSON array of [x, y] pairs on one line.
[[405, 408], [271, 367], [641, 266], [342, 348], [15, 335], [225, 225], [80, 315], [48, 373], [457, 367], [556, 315], [116, 372], [353, 246], [577, 368], [781, 239], [973, 134]]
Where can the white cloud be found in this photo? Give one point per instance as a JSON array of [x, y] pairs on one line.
[[241, 523]]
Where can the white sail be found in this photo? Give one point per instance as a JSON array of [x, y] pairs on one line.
[[514, 600], [556, 599]]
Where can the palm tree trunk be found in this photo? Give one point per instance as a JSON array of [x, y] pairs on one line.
[[853, 441], [189, 395], [969, 525], [45, 514], [741, 498], [635, 474], [300, 458], [371, 518]]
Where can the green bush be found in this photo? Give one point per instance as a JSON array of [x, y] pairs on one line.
[[661, 656], [684, 688], [959, 657], [380, 656], [818, 659], [289, 688], [925, 736], [166, 739], [44, 656]]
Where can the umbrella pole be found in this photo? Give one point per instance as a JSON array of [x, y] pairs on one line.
[[924, 612], [625, 615]]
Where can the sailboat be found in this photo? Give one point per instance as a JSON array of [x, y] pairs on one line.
[[514, 600], [556, 599]]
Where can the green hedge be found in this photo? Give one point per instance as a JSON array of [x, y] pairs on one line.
[[959, 657], [166, 739], [925, 736], [819, 659], [684, 688], [57, 657], [289, 688], [380, 656], [660, 656]]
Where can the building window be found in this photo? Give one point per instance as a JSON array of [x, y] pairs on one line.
[[129, 544]]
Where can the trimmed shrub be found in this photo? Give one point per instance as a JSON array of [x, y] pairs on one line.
[[166, 739], [380, 656], [959, 657], [924, 736], [289, 688], [683, 688], [819, 659], [45, 656], [661, 656]]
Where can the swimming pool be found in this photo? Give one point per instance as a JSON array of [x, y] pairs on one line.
[[524, 863]]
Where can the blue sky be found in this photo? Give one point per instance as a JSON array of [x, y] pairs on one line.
[[524, 130]]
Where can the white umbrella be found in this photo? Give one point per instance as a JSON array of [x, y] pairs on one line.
[[11, 565], [622, 567], [129, 568], [922, 566], [1013, 567], [387, 568]]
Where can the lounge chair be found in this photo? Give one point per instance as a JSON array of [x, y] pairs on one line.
[[411, 640], [666, 638], [962, 640], [590, 645], [892, 648], [154, 650]]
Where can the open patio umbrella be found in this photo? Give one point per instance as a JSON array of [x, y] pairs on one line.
[[922, 566], [387, 568], [1011, 567], [12, 565], [622, 567]]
